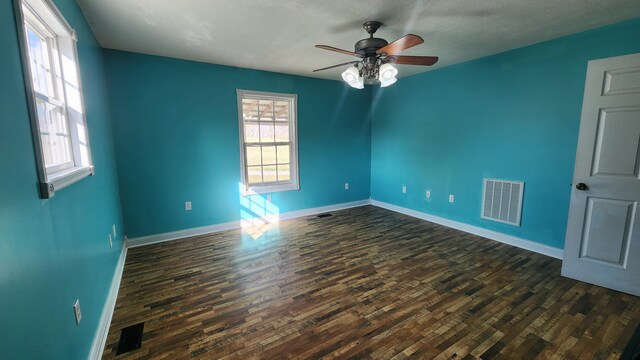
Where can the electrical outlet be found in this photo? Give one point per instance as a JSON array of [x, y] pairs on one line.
[[428, 194], [187, 206], [451, 198], [113, 227], [77, 312], [110, 241], [404, 189], [269, 198], [346, 186]]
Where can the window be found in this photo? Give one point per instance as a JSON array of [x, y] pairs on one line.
[[53, 85], [268, 141]]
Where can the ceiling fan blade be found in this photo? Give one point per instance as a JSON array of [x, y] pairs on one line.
[[331, 48], [413, 60], [405, 42], [334, 66]]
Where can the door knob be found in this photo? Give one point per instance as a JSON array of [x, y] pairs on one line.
[[581, 186]]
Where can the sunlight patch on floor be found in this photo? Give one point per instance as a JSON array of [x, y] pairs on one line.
[[256, 213]]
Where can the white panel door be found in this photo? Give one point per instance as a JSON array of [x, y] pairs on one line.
[[603, 233]]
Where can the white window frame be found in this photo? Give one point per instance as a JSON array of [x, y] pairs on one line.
[[44, 19], [294, 182]]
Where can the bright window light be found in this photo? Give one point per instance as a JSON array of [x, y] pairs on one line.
[[268, 141], [52, 75]]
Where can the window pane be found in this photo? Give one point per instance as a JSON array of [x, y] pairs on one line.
[[282, 133], [283, 154], [46, 149], [266, 110], [268, 140], [269, 155], [251, 133], [267, 131], [54, 134], [62, 139], [254, 174], [253, 155], [41, 108], [250, 109], [39, 63], [269, 174], [284, 173], [281, 109]]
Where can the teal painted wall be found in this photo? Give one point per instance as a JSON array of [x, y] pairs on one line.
[[176, 136], [513, 116], [53, 251]]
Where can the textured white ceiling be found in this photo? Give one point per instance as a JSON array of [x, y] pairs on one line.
[[279, 35]]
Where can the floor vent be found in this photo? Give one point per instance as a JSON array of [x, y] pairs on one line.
[[130, 338], [502, 201], [324, 215]]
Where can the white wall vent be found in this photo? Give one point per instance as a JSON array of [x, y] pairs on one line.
[[502, 201]]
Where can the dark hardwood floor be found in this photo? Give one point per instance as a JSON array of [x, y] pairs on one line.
[[363, 283]]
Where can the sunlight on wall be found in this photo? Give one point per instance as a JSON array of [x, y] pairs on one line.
[[256, 213]]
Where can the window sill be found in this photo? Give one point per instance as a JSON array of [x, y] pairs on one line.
[[62, 179], [252, 190]]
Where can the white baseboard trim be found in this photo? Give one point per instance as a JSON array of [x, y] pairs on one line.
[[204, 230], [181, 234], [322, 209], [489, 234], [100, 338]]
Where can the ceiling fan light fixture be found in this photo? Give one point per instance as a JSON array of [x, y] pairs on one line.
[[352, 77], [385, 83], [387, 74]]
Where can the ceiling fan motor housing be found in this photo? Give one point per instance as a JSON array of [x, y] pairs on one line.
[[369, 46]]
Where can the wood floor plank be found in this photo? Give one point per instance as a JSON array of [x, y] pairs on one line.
[[363, 283]]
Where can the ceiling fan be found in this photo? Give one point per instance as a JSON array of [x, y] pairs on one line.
[[376, 56]]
